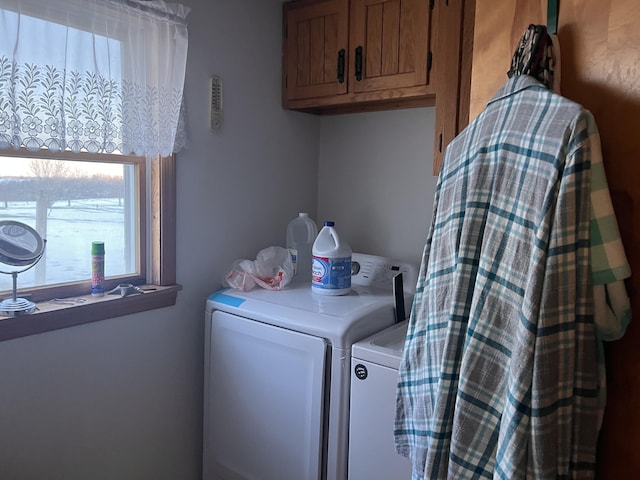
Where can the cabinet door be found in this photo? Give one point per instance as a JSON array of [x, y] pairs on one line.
[[389, 42], [498, 29], [600, 49], [315, 35]]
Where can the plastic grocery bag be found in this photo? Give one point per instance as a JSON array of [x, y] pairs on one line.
[[272, 269]]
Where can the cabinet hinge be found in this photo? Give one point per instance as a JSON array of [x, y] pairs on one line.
[[429, 60], [432, 4]]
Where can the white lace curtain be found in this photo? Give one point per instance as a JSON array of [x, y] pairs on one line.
[[92, 75]]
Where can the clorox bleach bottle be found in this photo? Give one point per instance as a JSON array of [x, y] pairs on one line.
[[301, 233], [331, 263]]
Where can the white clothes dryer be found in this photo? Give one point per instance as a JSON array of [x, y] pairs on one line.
[[277, 373]]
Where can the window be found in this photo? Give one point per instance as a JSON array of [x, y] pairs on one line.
[[72, 202], [141, 223], [90, 115]]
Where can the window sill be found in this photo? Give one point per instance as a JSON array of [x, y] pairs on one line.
[[72, 311]]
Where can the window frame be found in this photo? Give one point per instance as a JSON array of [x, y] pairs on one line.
[[61, 290], [157, 266]]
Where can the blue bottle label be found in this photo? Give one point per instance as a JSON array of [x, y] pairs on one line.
[[294, 259], [331, 273]]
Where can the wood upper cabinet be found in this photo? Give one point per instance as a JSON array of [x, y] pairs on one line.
[[345, 56], [341, 53]]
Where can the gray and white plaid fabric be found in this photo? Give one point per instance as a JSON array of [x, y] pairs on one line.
[[499, 375]]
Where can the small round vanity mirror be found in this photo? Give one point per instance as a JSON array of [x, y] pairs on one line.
[[19, 243], [20, 246]]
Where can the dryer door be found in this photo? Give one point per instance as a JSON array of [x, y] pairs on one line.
[[263, 411]]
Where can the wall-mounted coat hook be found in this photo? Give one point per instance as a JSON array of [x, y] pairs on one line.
[[552, 16]]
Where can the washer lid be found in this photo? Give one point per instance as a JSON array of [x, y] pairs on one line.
[[384, 348]]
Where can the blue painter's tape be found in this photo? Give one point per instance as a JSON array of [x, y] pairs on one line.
[[222, 297]]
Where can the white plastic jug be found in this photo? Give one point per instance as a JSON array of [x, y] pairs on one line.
[[301, 233], [331, 263]]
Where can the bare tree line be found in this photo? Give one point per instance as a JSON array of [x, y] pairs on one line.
[[56, 180]]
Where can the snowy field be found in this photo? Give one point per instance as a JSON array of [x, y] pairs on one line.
[[70, 230]]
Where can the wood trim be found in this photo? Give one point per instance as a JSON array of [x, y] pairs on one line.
[[400, 97], [71, 156], [447, 67], [142, 267], [377, 106], [41, 293], [468, 25], [163, 221], [54, 315], [457, 20]]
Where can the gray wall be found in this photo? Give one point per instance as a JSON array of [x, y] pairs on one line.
[[375, 180], [122, 398]]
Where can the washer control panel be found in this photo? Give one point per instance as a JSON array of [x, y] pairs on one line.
[[376, 271]]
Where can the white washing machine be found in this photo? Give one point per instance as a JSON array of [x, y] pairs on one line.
[[277, 373], [374, 377]]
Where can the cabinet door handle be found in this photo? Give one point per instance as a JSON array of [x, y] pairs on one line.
[[359, 63], [341, 65]]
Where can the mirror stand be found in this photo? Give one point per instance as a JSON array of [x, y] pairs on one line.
[[15, 305]]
